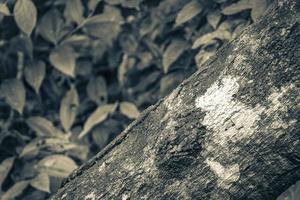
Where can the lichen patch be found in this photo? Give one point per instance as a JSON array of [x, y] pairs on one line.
[[102, 167], [228, 118], [125, 196], [227, 175], [90, 196], [231, 121]]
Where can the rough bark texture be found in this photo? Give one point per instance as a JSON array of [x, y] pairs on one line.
[[231, 131]]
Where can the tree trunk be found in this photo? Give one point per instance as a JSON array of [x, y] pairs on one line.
[[231, 131]]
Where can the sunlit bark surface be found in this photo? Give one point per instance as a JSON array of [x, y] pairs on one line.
[[231, 131]]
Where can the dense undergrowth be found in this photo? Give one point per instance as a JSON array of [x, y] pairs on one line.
[[74, 74]]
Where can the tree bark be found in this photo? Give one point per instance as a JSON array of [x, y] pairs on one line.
[[230, 131]]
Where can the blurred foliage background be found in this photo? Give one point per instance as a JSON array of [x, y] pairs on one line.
[[74, 74]]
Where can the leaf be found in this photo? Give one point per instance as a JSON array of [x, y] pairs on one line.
[[101, 136], [239, 28], [110, 14], [15, 191], [52, 145], [80, 152], [31, 150], [202, 57], [170, 81], [63, 58], [57, 145], [188, 12], [173, 52], [125, 3], [129, 110], [237, 7], [77, 40], [41, 182], [42, 126], [258, 9], [56, 165], [25, 14], [209, 37], [97, 90], [14, 93], [5, 168], [93, 4], [214, 18], [98, 116], [105, 26], [122, 69], [23, 44], [74, 11], [51, 26], [68, 109], [35, 74], [4, 9]]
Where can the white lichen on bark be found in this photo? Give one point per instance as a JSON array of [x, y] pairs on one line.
[[231, 120], [90, 196], [228, 118], [226, 175]]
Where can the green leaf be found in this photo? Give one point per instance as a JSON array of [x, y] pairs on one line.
[[25, 14], [68, 109], [63, 58], [214, 18], [101, 135], [35, 74], [56, 165], [15, 191], [51, 26], [125, 3], [57, 145], [31, 150], [22, 43], [5, 168], [105, 26], [97, 90], [239, 28], [202, 57], [110, 14], [237, 7], [42, 126], [259, 7], [74, 11], [93, 4], [4, 9], [80, 152], [41, 182], [98, 116], [77, 40], [209, 37], [123, 68], [129, 109], [173, 52], [14, 93], [188, 12], [170, 81], [52, 145]]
